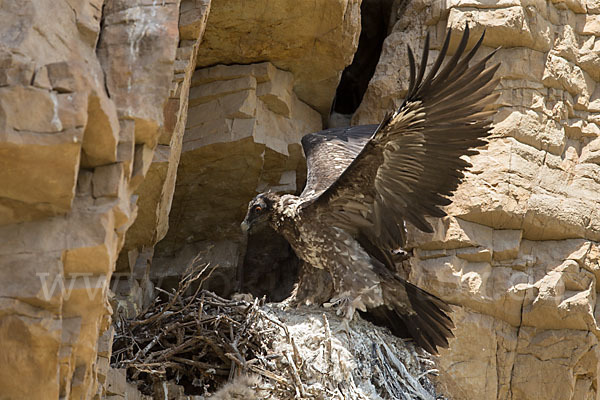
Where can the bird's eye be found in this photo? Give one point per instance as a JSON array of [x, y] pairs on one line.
[[257, 208]]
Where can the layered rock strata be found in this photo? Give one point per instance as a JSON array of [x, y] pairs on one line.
[[314, 40], [242, 136], [82, 105], [520, 256], [95, 131]]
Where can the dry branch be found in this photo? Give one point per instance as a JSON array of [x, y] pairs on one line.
[[204, 342]]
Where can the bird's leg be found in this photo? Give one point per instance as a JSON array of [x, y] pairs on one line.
[[292, 301], [344, 327], [314, 286], [349, 299], [346, 305]]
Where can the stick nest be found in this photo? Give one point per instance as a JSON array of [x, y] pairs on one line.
[[204, 342], [200, 341]]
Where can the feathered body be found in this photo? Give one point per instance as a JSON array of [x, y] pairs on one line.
[[329, 248], [363, 182]]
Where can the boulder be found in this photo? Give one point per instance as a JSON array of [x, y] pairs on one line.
[[312, 40]]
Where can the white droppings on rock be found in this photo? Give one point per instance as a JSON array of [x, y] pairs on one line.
[[55, 119]]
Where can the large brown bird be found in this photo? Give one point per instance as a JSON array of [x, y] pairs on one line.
[[365, 181]]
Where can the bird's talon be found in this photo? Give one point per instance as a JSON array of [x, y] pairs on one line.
[[344, 306]]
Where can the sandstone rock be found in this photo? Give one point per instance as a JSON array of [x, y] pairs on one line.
[[506, 244], [15, 104], [137, 51], [116, 381], [102, 132], [88, 15], [64, 96], [236, 143], [92, 250], [555, 363], [480, 360], [17, 69], [142, 159], [92, 119], [43, 184], [30, 343], [192, 18], [314, 41], [154, 172], [108, 180], [67, 162], [569, 288], [469, 276], [46, 145], [523, 266], [105, 342], [30, 284], [118, 388], [70, 332], [507, 26]]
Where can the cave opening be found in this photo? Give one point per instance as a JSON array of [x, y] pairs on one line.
[[376, 17]]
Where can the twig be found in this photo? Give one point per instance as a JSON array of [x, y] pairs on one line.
[[328, 345], [295, 375]]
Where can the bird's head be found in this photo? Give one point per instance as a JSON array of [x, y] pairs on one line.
[[260, 210]]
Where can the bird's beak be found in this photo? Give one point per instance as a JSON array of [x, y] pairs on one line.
[[245, 226]]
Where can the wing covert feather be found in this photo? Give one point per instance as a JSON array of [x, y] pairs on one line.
[[328, 154]]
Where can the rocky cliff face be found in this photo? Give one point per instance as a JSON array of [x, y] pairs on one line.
[[84, 90], [520, 254], [119, 127]]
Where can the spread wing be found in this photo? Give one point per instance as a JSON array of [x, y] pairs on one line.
[[412, 163], [328, 154]]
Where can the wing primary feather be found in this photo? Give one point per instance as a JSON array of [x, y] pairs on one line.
[[477, 74], [438, 61], [466, 82], [412, 310], [370, 182], [466, 98], [445, 72], [411, 65], [423, 65], [413, 161], [464, 63]]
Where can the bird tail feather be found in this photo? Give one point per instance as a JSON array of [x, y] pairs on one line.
[[409, 311]]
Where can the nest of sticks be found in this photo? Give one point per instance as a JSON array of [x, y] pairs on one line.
[[198, 340], [222, 349]]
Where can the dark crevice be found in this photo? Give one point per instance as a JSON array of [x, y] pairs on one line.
[[270, 266], [375, 19], [97, 49]]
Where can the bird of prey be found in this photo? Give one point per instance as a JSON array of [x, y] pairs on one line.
[[364, 181]]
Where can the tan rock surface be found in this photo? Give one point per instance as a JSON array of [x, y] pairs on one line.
[[80, 116], [158, 186], [312, 40], [138, 50], [92, 113], [242, 136], [519, 258]]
